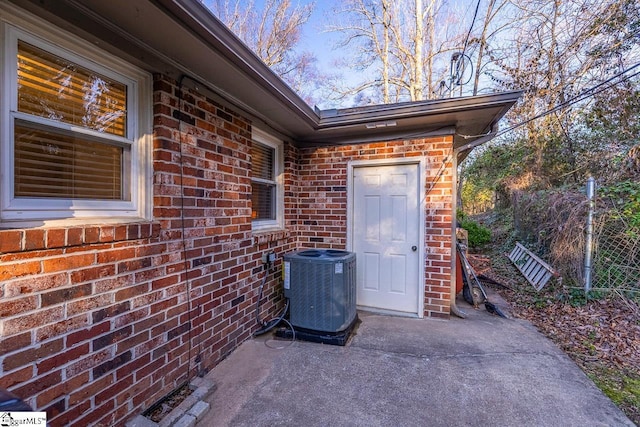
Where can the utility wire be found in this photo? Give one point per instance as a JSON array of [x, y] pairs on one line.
[[473, 22], [185, 254], [458, 59], [584, 95], [440, 172]]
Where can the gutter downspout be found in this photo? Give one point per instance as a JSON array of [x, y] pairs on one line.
[[454, 206]]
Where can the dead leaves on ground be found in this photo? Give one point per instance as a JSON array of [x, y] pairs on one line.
[[601, 336], [606, 331]]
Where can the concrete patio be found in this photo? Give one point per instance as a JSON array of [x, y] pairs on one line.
[[483, 370]]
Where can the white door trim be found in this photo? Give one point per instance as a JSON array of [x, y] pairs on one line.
[[421, 163]]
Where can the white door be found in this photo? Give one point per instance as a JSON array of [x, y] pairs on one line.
[[386, 236]]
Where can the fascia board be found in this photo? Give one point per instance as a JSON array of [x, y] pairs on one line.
[[195, 16], [384, 112]]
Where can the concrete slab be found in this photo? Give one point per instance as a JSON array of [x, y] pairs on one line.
[[140, 421], [483, 370]]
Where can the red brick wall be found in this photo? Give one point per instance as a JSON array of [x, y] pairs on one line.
[[99, 322], [322, 204]]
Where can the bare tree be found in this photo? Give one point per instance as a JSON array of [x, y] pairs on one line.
[[396, 46], [368, 36], [550, 55], [273, 33], [489, 31]]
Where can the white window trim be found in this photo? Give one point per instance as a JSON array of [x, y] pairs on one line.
[[267, 139], [17, 25]]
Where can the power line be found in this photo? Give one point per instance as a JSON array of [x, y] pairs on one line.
[[458, 59], [473, 22], [584, 95]]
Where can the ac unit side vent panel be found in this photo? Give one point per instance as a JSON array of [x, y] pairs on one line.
[[321, 289]]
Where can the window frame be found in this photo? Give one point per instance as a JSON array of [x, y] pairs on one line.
[[137, 166], [269, 140]]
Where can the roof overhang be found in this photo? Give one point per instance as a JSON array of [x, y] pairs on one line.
[[467, 118], [182, 38]]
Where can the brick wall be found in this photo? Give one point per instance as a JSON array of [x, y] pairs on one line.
[[97, 323], [322, 204]]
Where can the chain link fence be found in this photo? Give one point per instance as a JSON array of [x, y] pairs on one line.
[[616, 251], [554, 226]]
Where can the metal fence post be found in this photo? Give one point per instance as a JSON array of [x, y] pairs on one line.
[[591, 192]]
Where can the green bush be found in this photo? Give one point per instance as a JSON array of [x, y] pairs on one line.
[[626, 197], [478, 234]]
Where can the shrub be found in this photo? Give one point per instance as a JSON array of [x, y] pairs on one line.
[[478, 234], [625, 196]]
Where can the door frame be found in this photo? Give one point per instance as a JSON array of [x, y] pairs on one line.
[[421, 165]]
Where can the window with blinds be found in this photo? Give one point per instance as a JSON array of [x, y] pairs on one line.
[[77, 129], [51, 164], [53, 158], [263, 184]]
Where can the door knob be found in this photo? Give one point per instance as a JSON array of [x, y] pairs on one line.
[[414, 248]]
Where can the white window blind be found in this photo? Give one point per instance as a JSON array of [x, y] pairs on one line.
[[57, 89], [263, 188], [52, 161], [51, 164]]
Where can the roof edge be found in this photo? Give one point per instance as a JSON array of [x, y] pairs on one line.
[[201, 21], [381, 112]]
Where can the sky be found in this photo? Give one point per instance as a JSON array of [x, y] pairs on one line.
[[321, 42], [316, 39]]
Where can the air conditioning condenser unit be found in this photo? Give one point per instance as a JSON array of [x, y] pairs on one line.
[[321, 287]]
